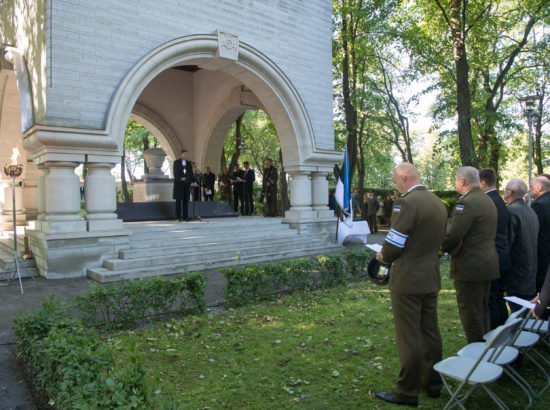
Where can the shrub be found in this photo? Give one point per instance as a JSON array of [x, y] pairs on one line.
[[245, 284], [131, 301], [356, 261], [71, 363], [332, 271], [301, 274]]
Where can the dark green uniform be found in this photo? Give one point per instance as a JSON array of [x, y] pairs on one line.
[[412, 246], [225, 190], [270, 190], [470, 239]]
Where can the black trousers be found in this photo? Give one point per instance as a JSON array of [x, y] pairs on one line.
[[209, 197], [248, 201], [371, 220], [181, 208], [238, 197], [497, 304]]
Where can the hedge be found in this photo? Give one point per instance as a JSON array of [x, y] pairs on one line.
[[66, 356], [252, 283]]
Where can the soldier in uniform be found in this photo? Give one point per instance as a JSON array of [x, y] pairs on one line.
[[412, 247], [224, 185], [470, 239], [270, 188]]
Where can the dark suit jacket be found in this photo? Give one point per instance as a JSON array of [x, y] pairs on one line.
[[208, 181], [181, 188], [249, 179], [524, 229], [501, 240], [542, 309], [542, 208], [237, 186], [412, 246], [470, 238]]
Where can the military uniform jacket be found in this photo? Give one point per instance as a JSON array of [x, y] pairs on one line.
[[412, 245], [224, 178], [271, 176], [470, 238]]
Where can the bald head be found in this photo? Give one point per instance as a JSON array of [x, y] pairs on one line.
[[515, 189], [405, 176], [539, 186]]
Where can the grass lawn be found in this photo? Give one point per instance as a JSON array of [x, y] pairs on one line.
[[327, 349]]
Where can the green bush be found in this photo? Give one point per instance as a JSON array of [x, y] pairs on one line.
[[356, 261], [131, 301], [300, 274], [72, 365], [332, 271]]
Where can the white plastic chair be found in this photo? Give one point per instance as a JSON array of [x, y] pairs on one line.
[[478, 372], [525, 342]]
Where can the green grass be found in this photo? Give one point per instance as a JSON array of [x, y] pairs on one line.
[[320, 350]]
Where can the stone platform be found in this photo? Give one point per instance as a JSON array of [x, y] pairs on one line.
[[162, 248]]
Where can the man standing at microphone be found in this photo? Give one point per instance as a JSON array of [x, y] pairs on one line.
[[183, 176]]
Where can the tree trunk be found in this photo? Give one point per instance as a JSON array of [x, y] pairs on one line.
[[537, 158], [463, 97], [362, 142], [238, 142], [285, 202], [145, 147], [124, 185]]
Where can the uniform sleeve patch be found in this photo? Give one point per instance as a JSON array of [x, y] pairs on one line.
[[459, 208], [396, 238], [397, 208]]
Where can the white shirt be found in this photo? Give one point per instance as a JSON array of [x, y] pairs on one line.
[[490, 190], [183, 162]]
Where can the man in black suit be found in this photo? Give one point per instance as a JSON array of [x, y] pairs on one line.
[[248, 194], [539, 188], [237, 180], [497, 304], [208, 180], [183, 177]]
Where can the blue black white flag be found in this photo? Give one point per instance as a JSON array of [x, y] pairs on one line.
[[343, 190]]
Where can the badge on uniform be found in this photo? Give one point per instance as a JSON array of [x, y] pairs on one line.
[[459, 208], [397, 209]]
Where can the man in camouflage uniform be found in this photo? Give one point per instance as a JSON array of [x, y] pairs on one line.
[[224, 186], [470, 239], [412, 247], [270, 188]]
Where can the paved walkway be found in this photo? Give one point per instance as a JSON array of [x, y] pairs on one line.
[[14, 392]]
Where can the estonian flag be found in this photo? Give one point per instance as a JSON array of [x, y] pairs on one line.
[[343, 190]]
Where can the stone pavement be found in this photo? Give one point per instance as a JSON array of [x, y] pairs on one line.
[[14, 392]]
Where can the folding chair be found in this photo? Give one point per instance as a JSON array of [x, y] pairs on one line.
[[541, 327], [525, 342], [478, 372]]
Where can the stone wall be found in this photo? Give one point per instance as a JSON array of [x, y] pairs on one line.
[[94, 44]]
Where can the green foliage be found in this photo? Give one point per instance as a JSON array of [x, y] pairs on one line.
[[120, 197], [255, 282], [332, 271], [72, 365], [131, 301], [356, 261]]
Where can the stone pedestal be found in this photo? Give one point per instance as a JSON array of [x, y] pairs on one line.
[[319, 194], [6, 202], [151, 190], [100, 197], [62, 199], [154, 158]]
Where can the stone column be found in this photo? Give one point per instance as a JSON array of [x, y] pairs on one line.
[[42, 192], [61, 198], [300, 198], [100, 197], [319, 194]]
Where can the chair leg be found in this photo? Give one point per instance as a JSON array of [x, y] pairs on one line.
[[454, 396], [520, 381], [528, 355], [495, 398]]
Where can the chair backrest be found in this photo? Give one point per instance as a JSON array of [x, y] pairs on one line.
[[502, 336]]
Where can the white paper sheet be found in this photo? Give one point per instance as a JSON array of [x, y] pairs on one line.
[[521, 302], [375, 247]]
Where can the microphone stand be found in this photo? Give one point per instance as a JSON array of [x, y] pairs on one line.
[[200, 195]]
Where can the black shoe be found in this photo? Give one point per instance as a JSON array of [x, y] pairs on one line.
[[394, 398], [180, 219], [434, 394]]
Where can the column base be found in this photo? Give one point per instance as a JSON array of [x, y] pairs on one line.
[[299, 215], [104, 224], [60, 226]]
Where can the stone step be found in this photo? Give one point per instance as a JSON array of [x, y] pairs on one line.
[[213, 230], [300, 242], [197, 244], [104, 275], [217, 222], [7, 274]]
